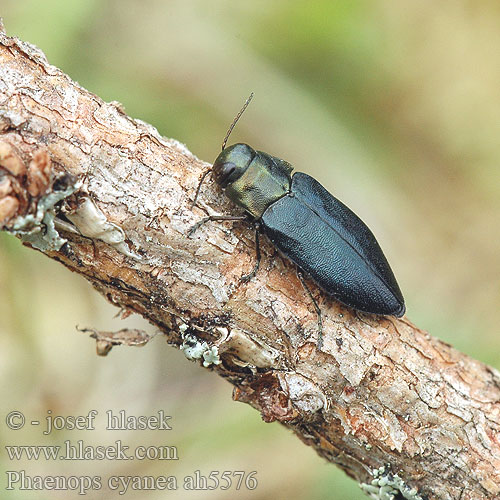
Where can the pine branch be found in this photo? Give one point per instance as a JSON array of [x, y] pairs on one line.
[[110, 199]]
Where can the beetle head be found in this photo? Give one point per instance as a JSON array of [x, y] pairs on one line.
[[232, 163]]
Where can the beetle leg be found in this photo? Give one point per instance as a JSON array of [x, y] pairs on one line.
[[247, 277], [198, 189], [316, 307], [200, 223]]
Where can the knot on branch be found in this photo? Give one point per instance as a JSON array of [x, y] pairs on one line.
[[29, 193]]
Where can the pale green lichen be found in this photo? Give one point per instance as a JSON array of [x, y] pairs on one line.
[[211, 357], [39, 229], [194, 349], [388, 486]]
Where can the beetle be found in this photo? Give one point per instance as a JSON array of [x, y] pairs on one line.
[[311, 227]]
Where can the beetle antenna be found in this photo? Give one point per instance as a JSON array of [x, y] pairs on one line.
[[236, 118]]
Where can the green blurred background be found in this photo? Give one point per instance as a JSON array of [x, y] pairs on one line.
[[393, 106]]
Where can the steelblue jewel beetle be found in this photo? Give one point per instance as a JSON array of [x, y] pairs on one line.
[[308, 225]]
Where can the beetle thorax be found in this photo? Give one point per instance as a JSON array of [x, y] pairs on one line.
[[256, 189], [260, 185], [252, 179]]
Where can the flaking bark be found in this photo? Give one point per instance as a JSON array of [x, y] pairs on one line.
[[110, 198]]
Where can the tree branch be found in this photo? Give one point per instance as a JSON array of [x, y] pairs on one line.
[[109, 198]]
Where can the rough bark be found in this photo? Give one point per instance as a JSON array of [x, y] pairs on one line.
[[108, 197]]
